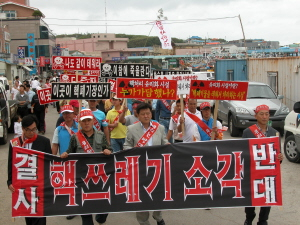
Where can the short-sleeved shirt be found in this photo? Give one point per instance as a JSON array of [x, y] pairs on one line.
[[173, 126], [189, 126], [119, 131], [100, 116], [62, 137]]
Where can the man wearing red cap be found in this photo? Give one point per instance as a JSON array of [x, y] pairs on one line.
[[260, 130], [205, 126], [88, 140]]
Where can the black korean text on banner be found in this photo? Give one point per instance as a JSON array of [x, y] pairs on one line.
[[233, 173], [115, 70], [80, 91]]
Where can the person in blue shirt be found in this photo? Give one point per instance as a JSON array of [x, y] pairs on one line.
[[208, 121], [163, 113], [62, 134], [100, 116]]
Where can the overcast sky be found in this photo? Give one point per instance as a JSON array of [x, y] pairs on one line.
[[275, 20]]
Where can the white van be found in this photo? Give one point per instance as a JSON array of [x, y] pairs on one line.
[[209, 75]]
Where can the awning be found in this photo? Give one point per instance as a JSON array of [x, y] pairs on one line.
[[26, 68]]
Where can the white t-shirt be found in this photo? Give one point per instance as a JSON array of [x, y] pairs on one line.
[[14, 91], [35, 84], [173, 107], [189, 126], [18, 129], [173, 126]]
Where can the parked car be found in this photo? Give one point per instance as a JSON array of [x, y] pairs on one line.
[[8, 109], [292, 134], [240, 114], [209, 75], [4, 81]]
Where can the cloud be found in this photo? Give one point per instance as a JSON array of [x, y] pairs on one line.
[[266, 19]]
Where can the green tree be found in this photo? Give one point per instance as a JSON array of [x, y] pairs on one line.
[[37, 13]]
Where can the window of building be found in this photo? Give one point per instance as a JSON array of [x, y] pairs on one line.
[[230, 75], [10, 14], [7, 47], [44, 34], [273, 81]]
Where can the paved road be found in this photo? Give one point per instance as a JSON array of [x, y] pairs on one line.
[[287, 215]]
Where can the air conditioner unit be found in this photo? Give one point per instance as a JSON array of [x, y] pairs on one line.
[[296, 69]]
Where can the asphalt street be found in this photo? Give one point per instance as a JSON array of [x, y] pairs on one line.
[[288, 214]]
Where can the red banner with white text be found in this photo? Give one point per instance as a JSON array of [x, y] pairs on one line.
[[146, 88]]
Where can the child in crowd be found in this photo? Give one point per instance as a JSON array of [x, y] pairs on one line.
[[17, 126]]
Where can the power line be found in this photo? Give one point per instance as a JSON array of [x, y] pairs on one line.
[[140, 24], [186, 20]]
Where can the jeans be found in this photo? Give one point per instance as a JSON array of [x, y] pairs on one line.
[[117, 144]]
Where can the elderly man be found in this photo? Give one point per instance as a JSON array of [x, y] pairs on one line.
[[260, 130], [88, 140], [29, 140], [191, 115], [146, 133]]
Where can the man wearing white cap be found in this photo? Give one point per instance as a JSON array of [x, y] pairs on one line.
[[62, 134], [260, 130], [88, 140]]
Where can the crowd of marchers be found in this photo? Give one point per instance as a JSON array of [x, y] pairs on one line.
[[112, 125]]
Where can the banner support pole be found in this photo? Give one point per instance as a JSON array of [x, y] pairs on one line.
[[182, 113], [215, 118]]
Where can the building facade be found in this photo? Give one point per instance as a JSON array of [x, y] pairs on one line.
[[18, 17], [103, 45]]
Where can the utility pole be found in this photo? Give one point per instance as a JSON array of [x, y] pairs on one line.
[[244, 37]]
